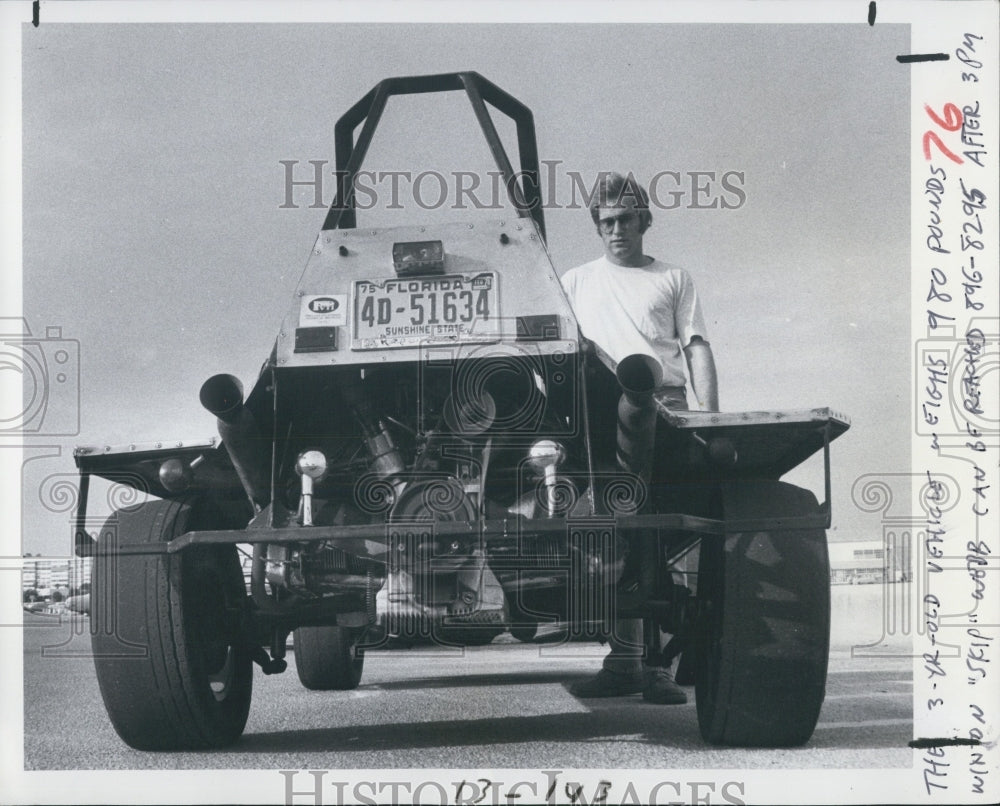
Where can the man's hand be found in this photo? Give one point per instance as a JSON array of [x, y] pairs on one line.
[[701, 366]]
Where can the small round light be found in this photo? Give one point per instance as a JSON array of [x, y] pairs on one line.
[[175, 475], [546, 453], [311, 463], [722, 451]]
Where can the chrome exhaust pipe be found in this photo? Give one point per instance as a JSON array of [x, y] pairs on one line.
[[250, 452], [639, 376]]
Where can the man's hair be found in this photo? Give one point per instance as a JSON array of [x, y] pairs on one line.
[[614, 190]]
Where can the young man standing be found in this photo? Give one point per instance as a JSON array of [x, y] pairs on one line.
[[627, 302]]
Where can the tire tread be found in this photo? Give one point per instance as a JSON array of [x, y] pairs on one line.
[[159, 701], [762, 671]]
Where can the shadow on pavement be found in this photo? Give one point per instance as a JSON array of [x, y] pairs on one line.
[[622, 723]]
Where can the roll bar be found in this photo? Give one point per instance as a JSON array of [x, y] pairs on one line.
[[522, 188]]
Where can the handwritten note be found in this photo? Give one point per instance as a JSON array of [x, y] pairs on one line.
[[956, 672]]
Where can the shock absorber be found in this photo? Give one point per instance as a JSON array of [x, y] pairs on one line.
[[386, 460]]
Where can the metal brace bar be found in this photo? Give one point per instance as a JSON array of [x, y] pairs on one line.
[[83, 544]]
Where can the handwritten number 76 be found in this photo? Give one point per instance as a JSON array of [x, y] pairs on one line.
[[951, 122]]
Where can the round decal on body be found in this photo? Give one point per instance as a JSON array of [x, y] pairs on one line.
[[323, 309]]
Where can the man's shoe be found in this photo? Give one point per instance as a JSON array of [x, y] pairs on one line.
[[608, 684], [661, 689]]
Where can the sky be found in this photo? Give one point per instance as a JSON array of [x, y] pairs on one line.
[[155, 237]]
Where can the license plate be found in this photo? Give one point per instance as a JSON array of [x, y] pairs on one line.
[[404, 312]]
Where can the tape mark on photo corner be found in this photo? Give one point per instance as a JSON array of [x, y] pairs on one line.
[[924, 743], [911, 58]]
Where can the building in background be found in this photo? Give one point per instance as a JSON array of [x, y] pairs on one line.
[[46, 575], [860, 562], [855, 562]]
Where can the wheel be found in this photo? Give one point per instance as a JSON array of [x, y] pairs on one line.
[[327, 657], [522, 626], [524, 631], [468, 635], [173, 668], [764, 628]]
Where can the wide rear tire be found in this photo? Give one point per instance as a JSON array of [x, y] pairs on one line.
[[764, 633], [173, 667], [327, 658]]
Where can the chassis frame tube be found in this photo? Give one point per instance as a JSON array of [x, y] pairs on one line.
[[371, 541]]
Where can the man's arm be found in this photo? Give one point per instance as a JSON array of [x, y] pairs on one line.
[[701, 366]]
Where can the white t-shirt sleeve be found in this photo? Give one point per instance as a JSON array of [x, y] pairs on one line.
[[688, 318], [568, 281]]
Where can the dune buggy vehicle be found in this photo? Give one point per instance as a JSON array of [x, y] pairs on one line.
[[417, 457]]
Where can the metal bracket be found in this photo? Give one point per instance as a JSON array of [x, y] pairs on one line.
[[83, 544]]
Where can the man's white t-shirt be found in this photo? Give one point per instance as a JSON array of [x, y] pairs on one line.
[[651, 309]]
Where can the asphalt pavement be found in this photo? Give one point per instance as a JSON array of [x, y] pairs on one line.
[[506, 705]]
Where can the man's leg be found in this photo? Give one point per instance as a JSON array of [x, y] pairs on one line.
[[622, 670], [626, 671], [659, 685]]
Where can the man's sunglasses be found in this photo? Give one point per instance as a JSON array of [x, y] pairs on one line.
[[627, 220]]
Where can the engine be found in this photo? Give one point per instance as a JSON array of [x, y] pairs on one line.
[[409, 446]]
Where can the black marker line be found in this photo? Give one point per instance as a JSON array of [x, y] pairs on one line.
[[871, 13], [923, 57], [921, 743], [35, 8]]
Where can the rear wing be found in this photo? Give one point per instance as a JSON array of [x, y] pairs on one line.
[[756, 444], [167, 469]]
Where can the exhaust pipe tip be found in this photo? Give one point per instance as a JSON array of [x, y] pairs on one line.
[[222, 395], [639, 374]]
